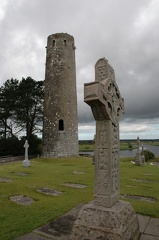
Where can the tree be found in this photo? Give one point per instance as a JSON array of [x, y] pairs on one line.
[[7, 106], [29, 106], [11, 146], [21, 107]]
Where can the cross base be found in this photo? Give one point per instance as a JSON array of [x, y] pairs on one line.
[[26, 163], [116, 223], [138, 160]]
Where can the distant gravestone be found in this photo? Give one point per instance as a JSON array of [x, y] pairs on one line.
[[139, 158], [142, 155], [26, 161], [106, 217]]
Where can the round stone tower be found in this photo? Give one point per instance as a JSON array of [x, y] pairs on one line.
[[60, 127]]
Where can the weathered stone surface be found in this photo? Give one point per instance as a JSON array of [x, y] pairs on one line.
[[22, 174], [153, 227], [143, 222], [141, 198], [74, 185], [5, 180], [77, 172], [60, 228], [116, 223], [60, 131], [148, 237], [49, 191], [21, 199]]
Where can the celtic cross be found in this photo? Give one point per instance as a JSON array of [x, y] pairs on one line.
[[103, 96]]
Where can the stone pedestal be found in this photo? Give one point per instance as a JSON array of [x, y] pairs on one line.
[[138, 160], [116, 223], [26, 163]]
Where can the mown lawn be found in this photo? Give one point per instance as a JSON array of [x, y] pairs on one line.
[[16, 219], [86, 147], [140, 181]]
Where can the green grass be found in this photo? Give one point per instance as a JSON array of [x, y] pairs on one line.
[[155, 143], [90, 147], [140, 181], [16, 219], [86, 147], [127, 146]]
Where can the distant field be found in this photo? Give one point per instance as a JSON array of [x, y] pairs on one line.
[[90, 147], [124, 145], [155, 143], [86, 147]]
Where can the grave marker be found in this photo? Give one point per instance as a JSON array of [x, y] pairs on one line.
[[106, 217], [26, 161], [140, 158]]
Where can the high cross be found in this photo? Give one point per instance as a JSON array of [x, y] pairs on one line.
[[103, 96]]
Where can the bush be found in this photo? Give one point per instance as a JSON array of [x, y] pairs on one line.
[[148, 155], [11, 146], [15, 147], [130, 146]]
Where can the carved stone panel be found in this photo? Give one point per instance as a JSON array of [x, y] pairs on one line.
[[104, 70], [107, 164]]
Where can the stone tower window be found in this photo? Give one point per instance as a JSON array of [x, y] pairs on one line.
[[61, 125], [53, 43], [65, 42]]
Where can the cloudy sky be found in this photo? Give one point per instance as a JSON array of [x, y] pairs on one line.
[[124, 32]]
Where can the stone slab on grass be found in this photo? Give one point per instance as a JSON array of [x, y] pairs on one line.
[[22, 174], [77, 172], [31, 236], [5, 180], [60, 228], [141, 198], [21, 199], [74, 185], [49, 191]]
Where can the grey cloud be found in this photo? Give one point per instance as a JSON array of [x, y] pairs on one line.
[[124, 32]]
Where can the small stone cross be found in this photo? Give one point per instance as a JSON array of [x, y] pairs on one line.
[[26, 146], [139, 160], [26, 162], [107, 106], [138, 144]]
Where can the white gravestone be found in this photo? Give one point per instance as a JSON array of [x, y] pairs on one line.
[[106, 218], [26, 161]]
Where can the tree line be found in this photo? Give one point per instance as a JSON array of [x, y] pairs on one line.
[[21, 114]]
